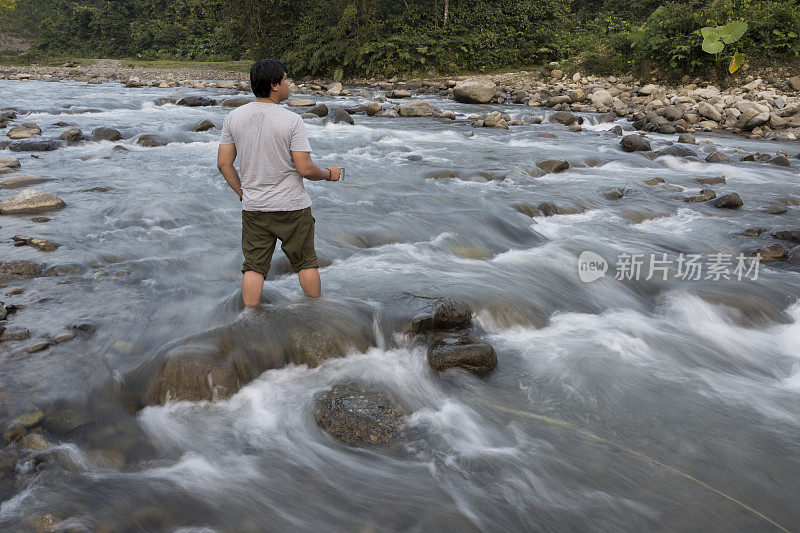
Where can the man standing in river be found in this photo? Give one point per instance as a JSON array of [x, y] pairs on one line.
[[274, 157]]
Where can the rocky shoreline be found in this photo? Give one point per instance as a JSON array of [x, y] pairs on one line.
[[758, 109]]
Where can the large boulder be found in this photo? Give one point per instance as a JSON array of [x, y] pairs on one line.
[[563, 117], [634, 143], [462, 351], [335, 89], [474, 91], [34, 145], [359, 415], [106, 134], [31, 201], [152, 140], [196, 101], [321, 110], [217, 363], [417, 108], [338, 115]]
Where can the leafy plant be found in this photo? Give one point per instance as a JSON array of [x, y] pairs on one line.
[[715, 38]]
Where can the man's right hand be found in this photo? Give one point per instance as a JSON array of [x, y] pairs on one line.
[[336, 173]]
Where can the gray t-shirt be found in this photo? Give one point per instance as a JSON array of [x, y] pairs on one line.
[[264, 135]]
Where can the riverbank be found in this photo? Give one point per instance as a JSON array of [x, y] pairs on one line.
[[759, 108]]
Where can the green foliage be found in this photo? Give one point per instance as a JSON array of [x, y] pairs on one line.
[[716, 37], [340, 38], [692, 39]]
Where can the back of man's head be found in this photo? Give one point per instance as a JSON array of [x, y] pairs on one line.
[[264, 74]]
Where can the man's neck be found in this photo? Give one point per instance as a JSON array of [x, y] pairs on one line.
[[267, 101]]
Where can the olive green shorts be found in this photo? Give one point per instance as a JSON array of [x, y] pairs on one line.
[[260, 230]]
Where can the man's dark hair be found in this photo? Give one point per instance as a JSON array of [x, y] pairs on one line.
[[264, 74]]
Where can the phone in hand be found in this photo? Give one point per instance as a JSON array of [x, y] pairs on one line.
[[341, 174]]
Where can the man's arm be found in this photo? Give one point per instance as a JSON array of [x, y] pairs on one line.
[[307, 168], [226, 155]]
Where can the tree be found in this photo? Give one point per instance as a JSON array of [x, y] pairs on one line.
[[7, 5]]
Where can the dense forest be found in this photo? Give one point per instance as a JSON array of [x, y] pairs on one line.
[[379, 37]]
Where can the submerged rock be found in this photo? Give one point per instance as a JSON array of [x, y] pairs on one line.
[[31, 201], [338, 115], [563, 117], [218, 363], [634, 143], [21, 181], [440, 313], [788, 235], [203, 125], [106, 134], [768, 254], [553, 165], [34, 145], [358, 415], [9, 162], [717, 157], [151, 140], [235, 102], [71, 135], [321, 110], [24, 131], [40, 244], [711, 181], [677, 151], [196, 101], [464, 351], [704, 196], [729, 201]]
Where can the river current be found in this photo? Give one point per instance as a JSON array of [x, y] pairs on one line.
[[605, 392]]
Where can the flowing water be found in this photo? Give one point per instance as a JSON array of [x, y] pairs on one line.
[[700, 375]]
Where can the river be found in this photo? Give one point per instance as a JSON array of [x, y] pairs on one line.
[[605, 392]]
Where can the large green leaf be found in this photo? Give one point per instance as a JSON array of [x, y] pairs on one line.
[[709, 33], [713, 47], [733, 31]]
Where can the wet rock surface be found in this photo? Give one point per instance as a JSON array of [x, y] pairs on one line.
[[359, 415], [31, 201], [439, 313], [462, 351]]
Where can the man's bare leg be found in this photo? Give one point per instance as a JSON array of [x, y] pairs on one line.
[[252, 283], [309, 281]]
